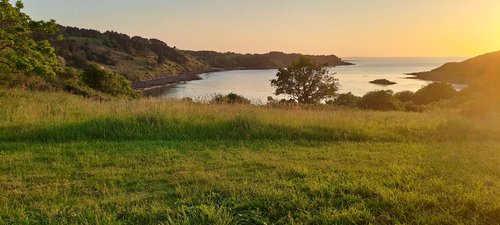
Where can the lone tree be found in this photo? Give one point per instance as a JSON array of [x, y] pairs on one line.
[[306, 82]]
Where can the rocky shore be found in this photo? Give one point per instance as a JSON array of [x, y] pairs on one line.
[[182, 77], [173, 79]]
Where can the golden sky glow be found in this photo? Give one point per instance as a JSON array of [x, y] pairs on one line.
[[342, 27]]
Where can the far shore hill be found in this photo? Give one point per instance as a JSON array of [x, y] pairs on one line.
[[151, 62], [483, 69]]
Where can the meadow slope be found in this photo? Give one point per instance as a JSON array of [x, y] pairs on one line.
[[66, 159]]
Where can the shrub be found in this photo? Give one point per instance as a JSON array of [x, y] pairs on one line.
[[412, 107], [404, 96], [187, 99], [380, 100], [231, 98], [347, 99], [283, 103], [107, 82], [433, 92], [479, 103]]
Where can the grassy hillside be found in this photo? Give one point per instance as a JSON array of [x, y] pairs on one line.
[[136, 58], [483, 69], [67, 159]]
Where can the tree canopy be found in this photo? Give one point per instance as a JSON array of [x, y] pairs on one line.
[[24, 48], [107, 82], [433, 93], [346, 99], [306, 82], [382, 100], [28, 60]]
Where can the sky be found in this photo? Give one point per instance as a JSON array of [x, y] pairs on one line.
[[347, 28]]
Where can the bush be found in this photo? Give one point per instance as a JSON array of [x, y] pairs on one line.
[[404, 96], [23, 81], [433, 92], [282, 103], [107, 82], [347, 99], [479, 102], [231, 98], [380, 100], [412, 107]]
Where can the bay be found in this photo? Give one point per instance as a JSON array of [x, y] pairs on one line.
[[255, 84]]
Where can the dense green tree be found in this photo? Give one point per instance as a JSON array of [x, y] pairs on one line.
[[346, 99], [269, 60], [107, 82], [380, 100], [404, 96], [434, 92], [306, 82], [231, 98], [24, 48]]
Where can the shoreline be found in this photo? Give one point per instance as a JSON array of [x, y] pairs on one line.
[[191, 76], [167, 80], [184, 77]]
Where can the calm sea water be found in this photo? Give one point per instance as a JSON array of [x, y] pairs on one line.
[[255, 84]]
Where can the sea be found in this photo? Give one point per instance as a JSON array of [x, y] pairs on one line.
[[255, 84]]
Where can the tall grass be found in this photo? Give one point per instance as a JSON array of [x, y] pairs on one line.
[[46, 117], [69, 160]]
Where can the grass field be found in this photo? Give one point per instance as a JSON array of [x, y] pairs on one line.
[[65, 159]]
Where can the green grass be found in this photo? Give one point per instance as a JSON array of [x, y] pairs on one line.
[[68, 160]]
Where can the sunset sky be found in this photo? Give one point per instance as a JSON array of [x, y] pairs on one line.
[[342, 27]]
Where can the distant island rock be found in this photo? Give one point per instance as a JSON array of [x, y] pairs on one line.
[[383, 82]]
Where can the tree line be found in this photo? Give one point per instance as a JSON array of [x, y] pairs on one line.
[[271, 60], [78, 52]]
